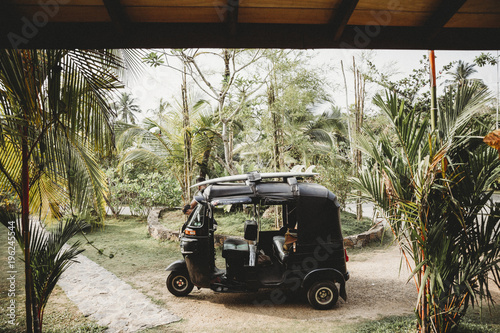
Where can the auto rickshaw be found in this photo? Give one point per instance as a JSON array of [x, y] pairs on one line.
[[306, 255]]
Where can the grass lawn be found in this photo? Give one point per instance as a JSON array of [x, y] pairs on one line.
[[131, 254], [128, 248], [61, 315], [472, 323]]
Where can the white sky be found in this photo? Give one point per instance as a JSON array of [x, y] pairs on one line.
[[164, 83]]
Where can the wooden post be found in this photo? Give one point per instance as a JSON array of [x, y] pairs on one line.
[[432, 63]]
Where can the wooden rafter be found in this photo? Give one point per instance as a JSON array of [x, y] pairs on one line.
[[9, 15], [341, 17], [232, 15], [442, 15], [117, 14]]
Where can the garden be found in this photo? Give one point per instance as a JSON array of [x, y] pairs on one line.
[[90, 171]]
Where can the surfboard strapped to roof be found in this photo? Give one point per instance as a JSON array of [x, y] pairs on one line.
[[256, 176]]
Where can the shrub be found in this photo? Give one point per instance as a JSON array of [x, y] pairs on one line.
[[144, 192]]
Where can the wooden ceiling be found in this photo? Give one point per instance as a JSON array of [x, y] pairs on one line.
[[375, 24]]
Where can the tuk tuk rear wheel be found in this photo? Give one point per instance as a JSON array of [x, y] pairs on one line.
[[179, 284], [323, 295]]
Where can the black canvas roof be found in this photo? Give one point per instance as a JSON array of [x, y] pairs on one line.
[[271, 190]]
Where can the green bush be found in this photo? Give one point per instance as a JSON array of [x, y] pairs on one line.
[[143, 192]]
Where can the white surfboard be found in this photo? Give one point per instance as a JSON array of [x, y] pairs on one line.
[[255, 176]]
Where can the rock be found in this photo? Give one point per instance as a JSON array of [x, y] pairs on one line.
[[348, 242]]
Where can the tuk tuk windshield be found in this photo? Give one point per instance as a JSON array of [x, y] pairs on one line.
[[196, 217]]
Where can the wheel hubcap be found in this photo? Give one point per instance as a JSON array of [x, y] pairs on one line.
[[180, 283], [324, 295]]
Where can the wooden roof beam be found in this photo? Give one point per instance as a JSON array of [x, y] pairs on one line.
[[446, 10], [232, 9], [117, 14], [16, 29], [341, 17], [9, 14], [215, 35]]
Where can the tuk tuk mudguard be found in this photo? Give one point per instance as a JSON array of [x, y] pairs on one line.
[[178, 265], [326, 274]]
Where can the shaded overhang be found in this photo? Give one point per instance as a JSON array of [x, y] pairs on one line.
[[372, 24]]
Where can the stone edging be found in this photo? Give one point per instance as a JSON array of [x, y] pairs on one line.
[[158, 231]]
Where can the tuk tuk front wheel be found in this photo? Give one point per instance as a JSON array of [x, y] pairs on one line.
[[323, 295], [179, 284]]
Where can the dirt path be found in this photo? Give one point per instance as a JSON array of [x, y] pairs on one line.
[[374, 290]]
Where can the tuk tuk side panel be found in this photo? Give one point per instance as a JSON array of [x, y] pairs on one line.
[[320, 240], [318, 220]]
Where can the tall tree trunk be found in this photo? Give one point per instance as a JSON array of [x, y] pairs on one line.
[[349, 130], [188, 163], [26, 230], [228, 152], [277, 124], [277, 129], [226, 123], [204, 163], [359, 100]]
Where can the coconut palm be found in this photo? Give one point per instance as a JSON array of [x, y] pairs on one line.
[[126, 108], [54, 116], [434, 190], [160, 142], [462, 73]]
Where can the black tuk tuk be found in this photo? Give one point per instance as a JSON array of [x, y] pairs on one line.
[[306, 254]]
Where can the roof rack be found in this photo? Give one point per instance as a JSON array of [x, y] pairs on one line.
[[256, 176]]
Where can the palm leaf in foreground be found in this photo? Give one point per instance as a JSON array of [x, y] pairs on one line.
[[433, 188], [50, 258]]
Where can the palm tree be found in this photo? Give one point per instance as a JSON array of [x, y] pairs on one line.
[[126, 108], [53, 117], [160, 142], [462, 73], [433, 188]]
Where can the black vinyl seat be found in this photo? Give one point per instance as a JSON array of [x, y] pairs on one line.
[[278, 242], [235, 248]]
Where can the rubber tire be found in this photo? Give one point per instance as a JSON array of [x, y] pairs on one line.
[[179, 284], [323, 295]]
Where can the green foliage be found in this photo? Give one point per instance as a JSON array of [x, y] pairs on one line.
[[399, 324], [59, 97], [351, 226], [49, 260], [126, 108], [335, 176], [432, 187], [48, 257], [143, 192], [409, 89], [485, 59], [9, 202], [408, 324]]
